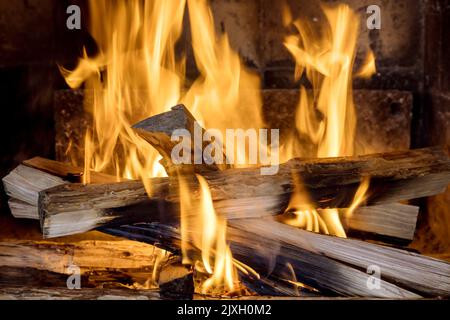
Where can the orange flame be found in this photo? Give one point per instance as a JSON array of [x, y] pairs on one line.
[[207, 231], [327, 117]]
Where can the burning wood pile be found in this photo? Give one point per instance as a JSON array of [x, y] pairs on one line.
[[230, 219], [47, 190]]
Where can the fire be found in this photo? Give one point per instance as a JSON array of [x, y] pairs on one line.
[[207, 232], [138, 73], [327, 116], [136, 43], [368, 68]]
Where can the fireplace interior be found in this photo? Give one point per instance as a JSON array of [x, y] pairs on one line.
[[123, 235]]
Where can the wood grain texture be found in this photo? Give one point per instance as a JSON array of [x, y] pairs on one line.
[[244, 193], [271, 260]]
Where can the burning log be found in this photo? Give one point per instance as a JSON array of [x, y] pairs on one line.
[[244, 193], [313, 267], [415, 272]]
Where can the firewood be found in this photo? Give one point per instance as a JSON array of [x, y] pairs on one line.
[[428, 276], [25, 183], [67, 171], [88, 255], [324, 262], [158, 131], [62, 293], [311, 268], [101, 263], [244, 193], [394, 220], [23, 210], [69, 205]]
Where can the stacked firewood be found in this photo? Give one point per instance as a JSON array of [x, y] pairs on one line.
[[52, 193]]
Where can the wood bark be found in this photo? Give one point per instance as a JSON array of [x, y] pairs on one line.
[[244, 193], [339, 274], [101, 264], [158, 131], [62, 293]]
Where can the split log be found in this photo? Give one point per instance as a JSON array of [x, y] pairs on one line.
[[158, 131], [244, 193], [394, 220], [68, 172], [311, 268], [52, 293], [101, 264], [428, 276], [25, 183], [323, 262], [87, 255], [22, 210]]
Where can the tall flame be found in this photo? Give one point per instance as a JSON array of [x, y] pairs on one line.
[[136, 43], [327, 116], [136, 74], [226, 95], [207, 231]]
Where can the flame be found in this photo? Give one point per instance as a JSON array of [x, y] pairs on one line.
[[226, 95], [136, 43], [136, 74], [328, 119], [207, 232], [327, 116], [360, 196], [368, 69]]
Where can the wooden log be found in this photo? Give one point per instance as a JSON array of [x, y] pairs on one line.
[[68, 172], [244, 193], [311, 268], [25, 183], [428, 276], [22, 210], [67, 212], [87, 255], [394, 220], [25, 292], [158, 131], [324, 262], [101, 263]]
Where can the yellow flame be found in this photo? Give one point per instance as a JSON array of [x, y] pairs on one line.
[[328, 63], [301, 213], [226, 95], [327, 116], [360, 196], [368, 69], [207, 232], [136, 42]]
